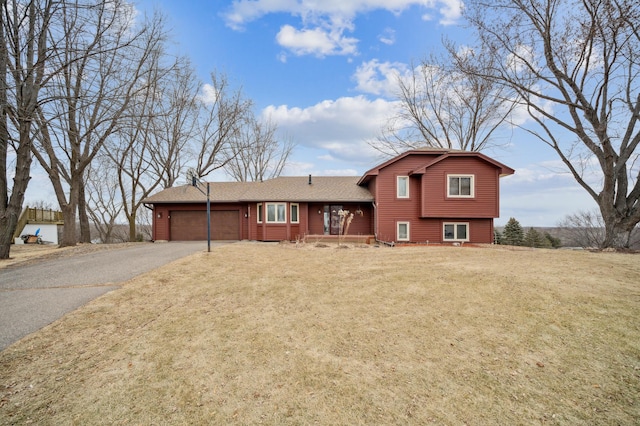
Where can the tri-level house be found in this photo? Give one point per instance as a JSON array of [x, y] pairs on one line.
[[421, 196]]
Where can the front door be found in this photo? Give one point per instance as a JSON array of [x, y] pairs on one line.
[[335, 219]]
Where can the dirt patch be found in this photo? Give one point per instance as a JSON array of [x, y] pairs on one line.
[[271, 334]]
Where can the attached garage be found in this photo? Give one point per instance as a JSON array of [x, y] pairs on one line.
[[192, 225]]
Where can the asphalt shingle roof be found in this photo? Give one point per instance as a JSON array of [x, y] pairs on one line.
[[322, 188]]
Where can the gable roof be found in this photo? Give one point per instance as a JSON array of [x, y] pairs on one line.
[[292, 189], [435, 155]]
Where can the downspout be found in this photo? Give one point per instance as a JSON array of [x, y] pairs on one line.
[[375, 221], [375, 227]]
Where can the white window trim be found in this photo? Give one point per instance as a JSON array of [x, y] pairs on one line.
[[472, 183], [408, 238], [276, 211], [398, 178], [259, 212], [297, 210], [455, 231]]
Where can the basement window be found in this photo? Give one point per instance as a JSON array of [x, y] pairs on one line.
[[456, 232], [402, 231]]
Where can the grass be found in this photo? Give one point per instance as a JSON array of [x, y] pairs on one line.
[[271, 334]]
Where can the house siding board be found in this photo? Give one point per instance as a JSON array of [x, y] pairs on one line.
[[275, 232], [161, 223], [435, 201], [391, 209], [430, 230]]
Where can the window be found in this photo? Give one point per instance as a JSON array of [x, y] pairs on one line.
[[402, 231], [460, 186], [402, 186], [276, 213], [456, 232], [294, 213], [259, 208]]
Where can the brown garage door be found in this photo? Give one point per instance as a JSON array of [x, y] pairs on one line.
[[192, 225]]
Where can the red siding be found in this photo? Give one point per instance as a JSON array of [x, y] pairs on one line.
[[431, 230], [435, 200], [427, 207], [391, 209]]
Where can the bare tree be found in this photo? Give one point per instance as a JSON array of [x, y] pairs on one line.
[[444, 106], [102, 70], [25, 52], [222, 114], [104, 205], [587, 229], [575, 66], [173, 122], [147, 150], [257, 154]]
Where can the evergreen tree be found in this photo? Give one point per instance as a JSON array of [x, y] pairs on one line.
[[533, 238], [513, 234], [554, 242]]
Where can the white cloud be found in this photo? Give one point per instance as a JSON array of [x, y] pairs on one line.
[[339, 129], [379, 78], [208, 94], [244, 11], [541, 194], [388, 37], [317, 41], [323, 23], [451, 11]]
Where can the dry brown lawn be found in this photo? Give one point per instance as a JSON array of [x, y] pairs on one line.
[[271, 334]]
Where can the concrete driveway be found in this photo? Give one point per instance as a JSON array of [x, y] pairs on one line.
[[36, 294]]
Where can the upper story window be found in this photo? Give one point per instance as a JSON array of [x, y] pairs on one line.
[[460, 186], [294, 213], [402, 187], [259, 209], [276, 213]]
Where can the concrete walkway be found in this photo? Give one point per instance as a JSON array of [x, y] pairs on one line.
[[36, 294]]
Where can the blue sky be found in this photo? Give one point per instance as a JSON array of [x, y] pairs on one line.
[[324, 71]]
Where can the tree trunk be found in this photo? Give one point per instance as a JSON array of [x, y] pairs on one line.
[[8, 225], [132, 227], [69, 230], [12, 205], [616, 232], [69, 214], [85, 227]]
